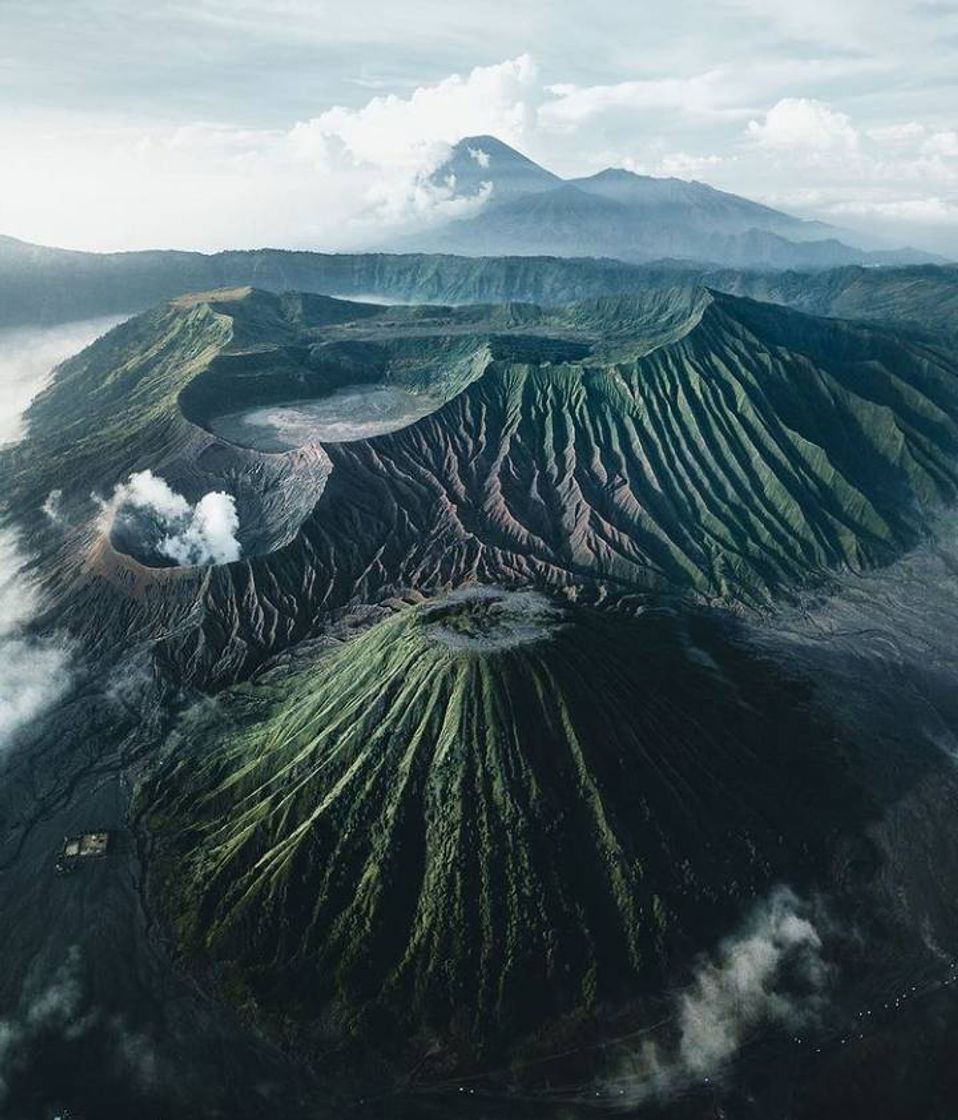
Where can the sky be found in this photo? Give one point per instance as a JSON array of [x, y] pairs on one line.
[[207, 124]]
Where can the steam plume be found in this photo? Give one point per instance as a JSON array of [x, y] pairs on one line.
[[770, 973], [153, 521]]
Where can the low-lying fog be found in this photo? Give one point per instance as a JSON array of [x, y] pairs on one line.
[[28, 357], [33, 673]]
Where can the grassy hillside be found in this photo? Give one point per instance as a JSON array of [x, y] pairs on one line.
[[483, 814]]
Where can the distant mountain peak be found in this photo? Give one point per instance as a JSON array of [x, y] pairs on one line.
[[616, 213], [477, 160], [491, 145], [617, 174]]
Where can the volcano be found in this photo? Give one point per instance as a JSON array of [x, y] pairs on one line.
[[484, 814]]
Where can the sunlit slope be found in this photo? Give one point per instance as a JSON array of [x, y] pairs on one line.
[[732, 460], [145, 391], [484, 813], [756, 449], [118, 406]]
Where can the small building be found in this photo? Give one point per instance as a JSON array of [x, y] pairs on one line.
[[88, 845], [94, 844]]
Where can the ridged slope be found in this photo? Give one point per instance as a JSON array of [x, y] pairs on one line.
[[678, 442], [485, 813], [753, 454]]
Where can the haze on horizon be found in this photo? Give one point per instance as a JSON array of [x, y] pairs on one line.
[[241, 123]]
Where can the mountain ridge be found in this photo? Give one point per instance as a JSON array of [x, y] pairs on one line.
[[43, 285], [483, 814], [558, 453]]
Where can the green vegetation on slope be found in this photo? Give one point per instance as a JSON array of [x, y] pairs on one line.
[[482, 814], [675, 441], [141, 396], [753, 453]]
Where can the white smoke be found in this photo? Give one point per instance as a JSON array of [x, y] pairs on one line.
[[737, 991], [770, 973], [148, 515]]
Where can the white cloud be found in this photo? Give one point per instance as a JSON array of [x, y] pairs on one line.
[[356, 175], [571, 105], [821, 21], [34, 672], [481, 157], [415, 133], [146, 516], [801, 123], [684, 164], [942, 144], [27, 359], [402, 140], [897, 182], [737, 990], [769, 974], [331, 181], [919, 210], [407, 204], [681, 165], [897, 133]]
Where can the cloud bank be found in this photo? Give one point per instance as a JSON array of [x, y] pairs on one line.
[[34, 673], [152, 521], [770, 973], [27, 360], [800, 123], [811, 107]]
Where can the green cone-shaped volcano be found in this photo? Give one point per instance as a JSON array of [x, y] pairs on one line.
[[485, 813]]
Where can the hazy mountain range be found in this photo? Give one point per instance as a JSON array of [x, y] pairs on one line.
[[522, 208]]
